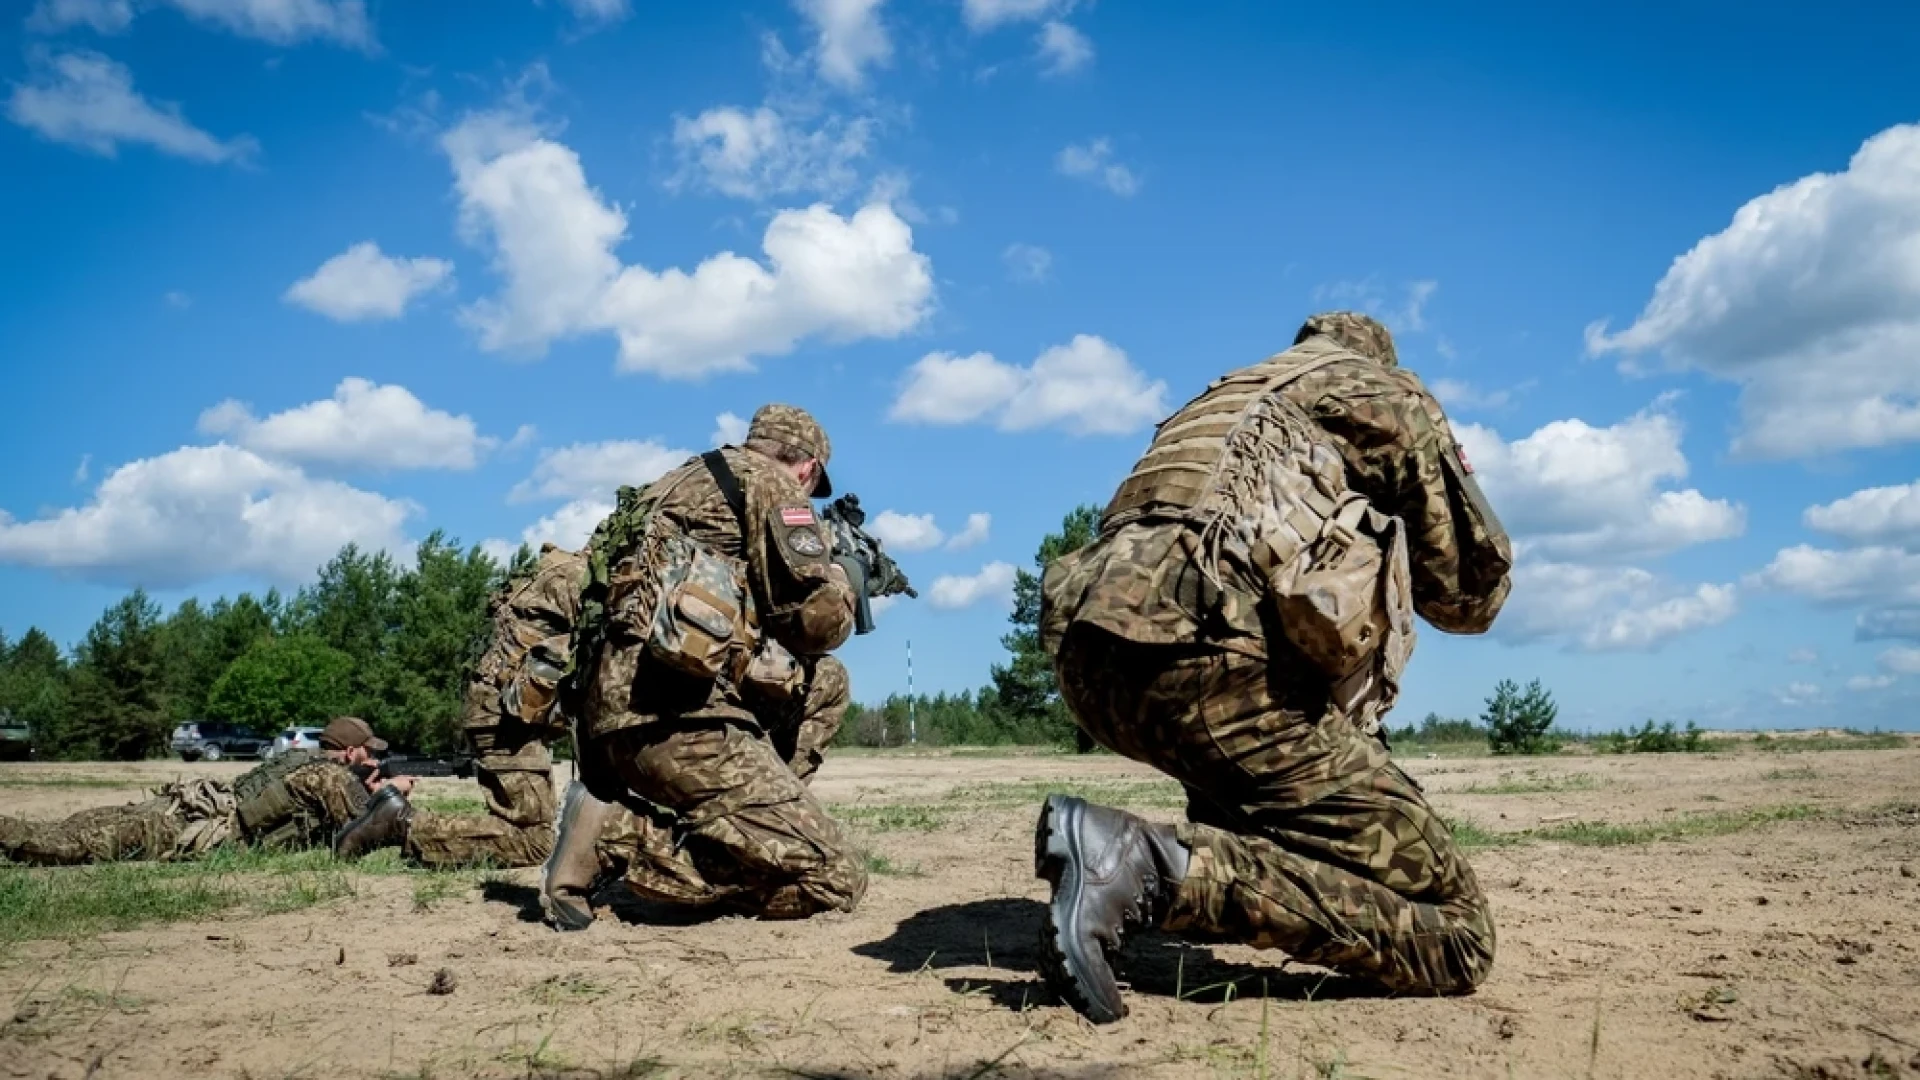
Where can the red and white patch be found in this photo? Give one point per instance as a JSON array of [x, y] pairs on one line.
[[796, 515], [1465, 465]]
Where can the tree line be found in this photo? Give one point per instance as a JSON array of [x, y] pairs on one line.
[[369, 637]]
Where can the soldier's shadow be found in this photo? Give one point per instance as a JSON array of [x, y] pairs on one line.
[[619, 902], [1000, 940]]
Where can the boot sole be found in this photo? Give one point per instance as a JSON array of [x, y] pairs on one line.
[[560, 915], [1057, 859]]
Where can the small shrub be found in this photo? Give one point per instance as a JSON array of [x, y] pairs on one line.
[[1517, 722]]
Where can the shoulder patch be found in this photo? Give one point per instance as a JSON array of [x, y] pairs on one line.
[[793, 516], [1465, 465], [806, 541]]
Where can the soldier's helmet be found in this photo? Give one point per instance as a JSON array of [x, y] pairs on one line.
[[1361, 333], [795, 428]]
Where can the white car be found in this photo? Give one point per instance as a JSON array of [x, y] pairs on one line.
[[294, 738]]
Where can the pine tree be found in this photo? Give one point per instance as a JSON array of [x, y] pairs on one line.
[[1516, 722], [1024, 688], [118, 695]]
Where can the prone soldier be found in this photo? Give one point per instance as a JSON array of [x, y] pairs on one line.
[[299, 799], [1241, 623]]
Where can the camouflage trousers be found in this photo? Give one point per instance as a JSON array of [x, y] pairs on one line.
[[515, 771], [183, 820], [735, 824], [142, 830], [1305, 837]]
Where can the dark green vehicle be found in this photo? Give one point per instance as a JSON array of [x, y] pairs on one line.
[[16, 741]]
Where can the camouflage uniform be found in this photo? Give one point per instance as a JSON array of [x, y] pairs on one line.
[[508, 721], [735, 822], [1304, 836], [295, 800]]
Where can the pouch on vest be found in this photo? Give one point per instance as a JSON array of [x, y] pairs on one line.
[[702, 610], [771, 673], [1336, 570]]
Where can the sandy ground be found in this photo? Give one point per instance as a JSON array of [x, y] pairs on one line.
[[1783, 949]]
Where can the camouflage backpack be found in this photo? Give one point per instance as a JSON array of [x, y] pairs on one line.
[[686, 603]]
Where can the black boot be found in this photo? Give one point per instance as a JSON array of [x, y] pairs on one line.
[[571, 873], [382, 824], [1110, 871]]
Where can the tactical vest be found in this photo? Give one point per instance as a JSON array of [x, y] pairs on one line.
[[1198, 453], [1267, 491], [268, 813]]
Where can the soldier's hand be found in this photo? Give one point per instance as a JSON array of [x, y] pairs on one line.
[[403, 783]]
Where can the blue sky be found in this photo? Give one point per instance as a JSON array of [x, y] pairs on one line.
[[286, 274]]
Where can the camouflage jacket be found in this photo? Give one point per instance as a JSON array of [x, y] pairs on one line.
[[1401, 454], [1146, 578], [800, 598], [531, 642]]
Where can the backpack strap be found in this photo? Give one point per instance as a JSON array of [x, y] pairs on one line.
[[729, 487]]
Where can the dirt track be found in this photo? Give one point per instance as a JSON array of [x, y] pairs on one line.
[[1751, 948]]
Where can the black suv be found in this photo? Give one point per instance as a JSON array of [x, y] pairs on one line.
[[212, 740]]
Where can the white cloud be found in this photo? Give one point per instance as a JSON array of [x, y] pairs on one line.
[[1798, 693], [1087, 386], [975, 534], [363, 425], [1877, 575], [1872, 515], [1370, 296], [1460, 396], [1028, 262], [1606, 608], [992, 585], [906, 532], [177, 300], [918, 532], [848, 39], [987, 14], [103, 16], [1901, 661], [1871, 682], [600, 11], [84, 99], [569, 526], [85, 469], [728, 430], [554, 237], [1803, 655], [1881, 624], [1065, 49], [1094, 162], [500, 551], [281, 22], [594, 471], [201, 512], [758, 154], [1644, 627], [1577, 491], [1810, 300], [361, 283]]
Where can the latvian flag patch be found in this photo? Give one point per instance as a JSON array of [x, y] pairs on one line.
[[796, 515]]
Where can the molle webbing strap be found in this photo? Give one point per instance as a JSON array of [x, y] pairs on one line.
[[1177, 470]]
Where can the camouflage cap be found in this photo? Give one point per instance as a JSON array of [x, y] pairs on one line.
[[1362, 333], [347, 732], [795, 428]]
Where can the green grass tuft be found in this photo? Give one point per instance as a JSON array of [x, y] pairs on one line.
[[1534, 784]]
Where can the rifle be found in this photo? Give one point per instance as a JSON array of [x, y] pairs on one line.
[[394, 765], [870, 570]]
